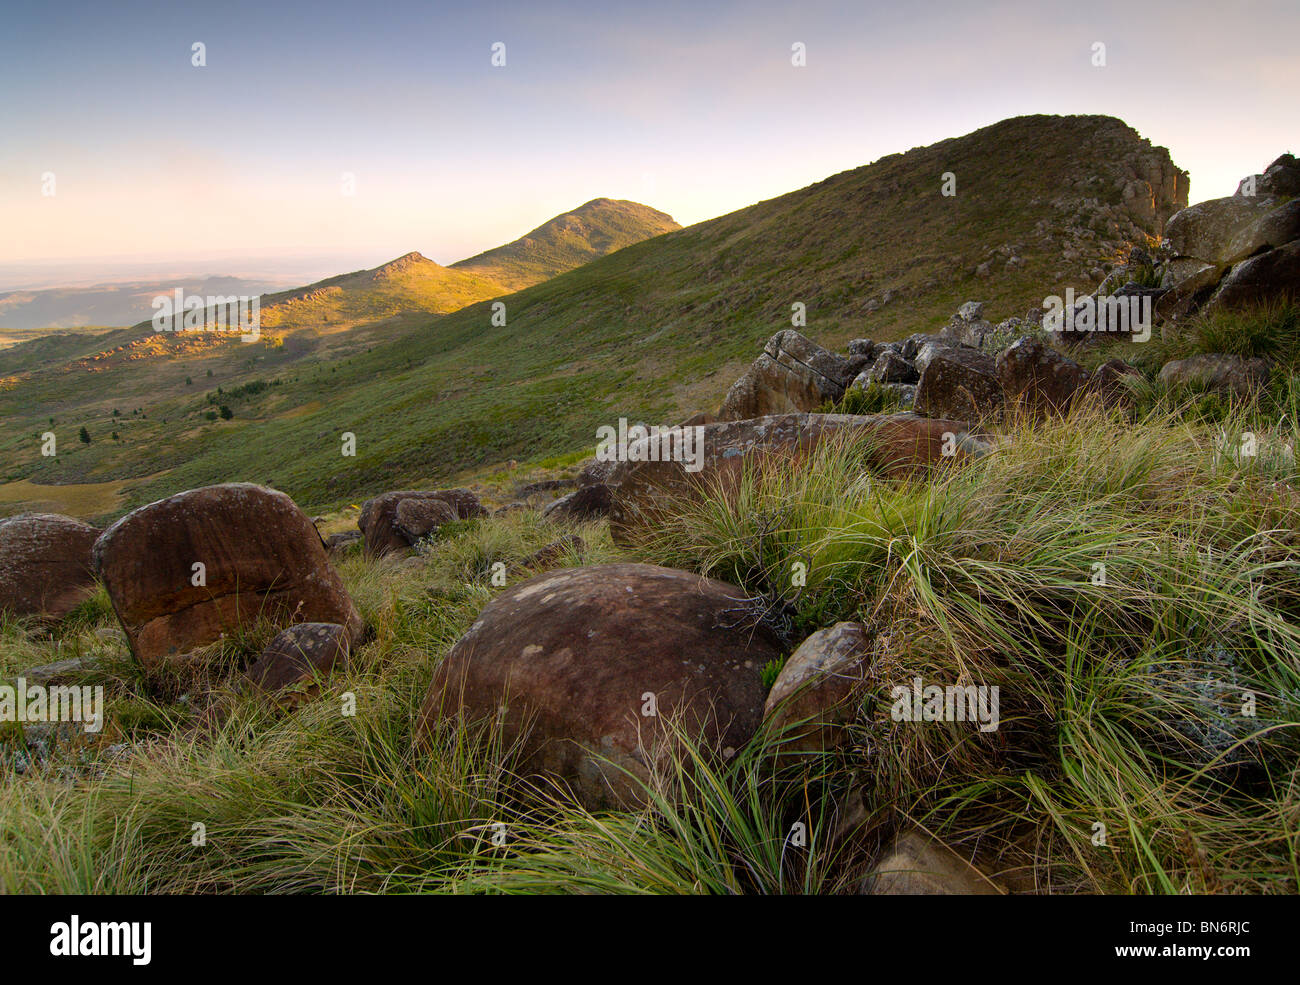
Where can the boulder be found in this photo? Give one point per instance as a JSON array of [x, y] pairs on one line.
[[891, 368], [913, 344], [298, 657], [1037, 377], [581, 669], [969, 325], [1270, 277], [554, 551], [1188, 283], [643, 492], [378, 520], [46, 569], [960, 384], [862, 347], [584, 503], [793, 374], [915, 864], [1222, 230], [416, 519], [815, 694], [1217, 371], [339, 543], [595, 472], [1109, 381], [261, 560], [1282, 178]]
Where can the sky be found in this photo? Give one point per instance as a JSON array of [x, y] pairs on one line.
[[694, 108]]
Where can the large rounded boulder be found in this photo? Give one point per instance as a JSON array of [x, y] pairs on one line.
[[45, 565], [591, 672], [184, 571]]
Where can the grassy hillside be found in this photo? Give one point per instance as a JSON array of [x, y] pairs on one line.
[[590, 231], [654, 331]]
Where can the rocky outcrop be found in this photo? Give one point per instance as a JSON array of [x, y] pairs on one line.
[[793, 373], [814, 696], [584, 670], [184, 571], [1238, 252], [904, 444], [1225, 230], [379, 521], [45, 565]]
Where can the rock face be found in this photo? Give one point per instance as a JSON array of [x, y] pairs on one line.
[[571, 662], [45, 565], [1037, 377], [906, 444], [260, 555], [379, 521], [960, 384], [917, 865], [299, 655], [813, 697], [792, 374], [1223, 230], [1271, 276], [1216, 371]]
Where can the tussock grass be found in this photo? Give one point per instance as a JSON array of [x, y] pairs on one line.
[[1122, 688]]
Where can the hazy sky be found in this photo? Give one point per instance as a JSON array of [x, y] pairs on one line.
[[693, 108]]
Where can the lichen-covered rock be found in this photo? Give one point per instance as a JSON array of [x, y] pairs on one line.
[[814, 695], [298, 658]]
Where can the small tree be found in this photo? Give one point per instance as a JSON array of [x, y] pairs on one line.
[[226, 413], [84, 435]]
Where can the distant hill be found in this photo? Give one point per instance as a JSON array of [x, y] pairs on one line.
[[409, 283], [110, 304], [651, 332], [589, 232]]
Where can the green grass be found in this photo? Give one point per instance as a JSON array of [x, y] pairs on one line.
[[1120, 702]]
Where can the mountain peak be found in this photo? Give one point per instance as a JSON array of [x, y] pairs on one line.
[[569, 240]]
